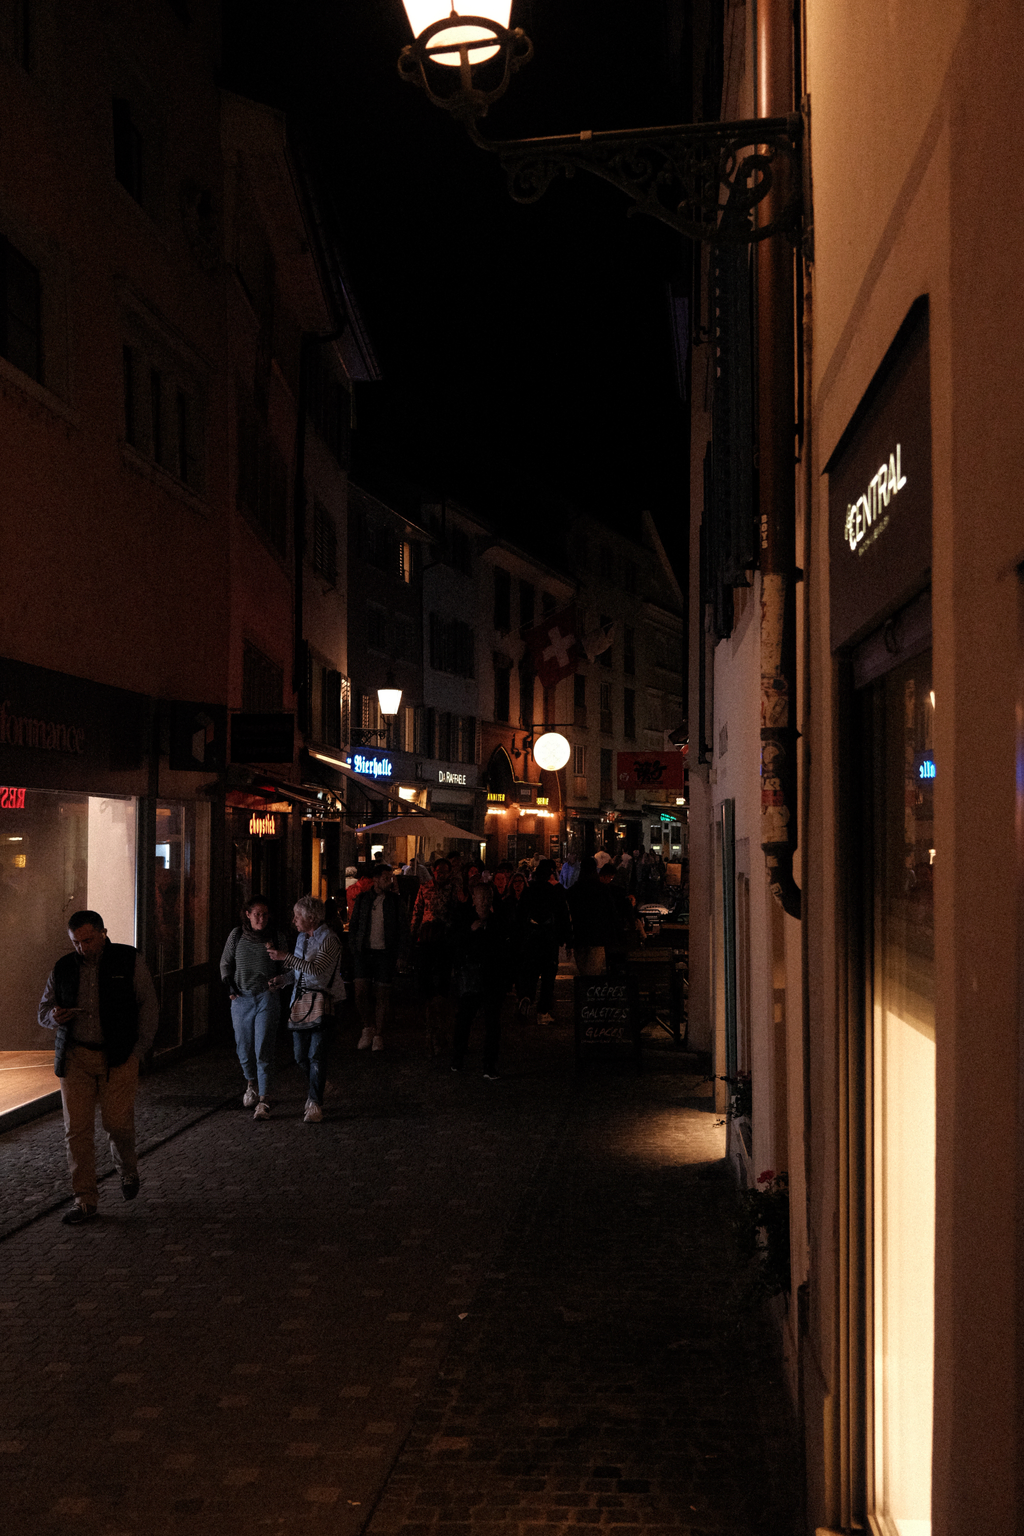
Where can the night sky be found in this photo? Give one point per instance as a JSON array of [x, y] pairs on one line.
[[526, 351]]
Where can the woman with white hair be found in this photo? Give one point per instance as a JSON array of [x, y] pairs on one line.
[[315, 968]]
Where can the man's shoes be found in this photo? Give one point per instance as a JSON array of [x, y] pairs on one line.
[[525, 1005], [250, 1096], [262, 1110], [129, 1186], [378, 1042], [492, 1077], [313, 1112], [79, 1214], [365, 1040], [458, 1068]]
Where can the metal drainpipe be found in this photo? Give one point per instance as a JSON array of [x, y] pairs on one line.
[[777, 466]]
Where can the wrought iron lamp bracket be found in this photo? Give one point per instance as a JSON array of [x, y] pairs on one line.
[[717, 183], [706, 180]]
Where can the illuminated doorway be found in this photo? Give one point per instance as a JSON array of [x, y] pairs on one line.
[[900, 1074], [60, 852]]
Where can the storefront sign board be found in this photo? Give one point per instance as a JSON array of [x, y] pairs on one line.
[[605, 1014], [880, 491], [63, 732]]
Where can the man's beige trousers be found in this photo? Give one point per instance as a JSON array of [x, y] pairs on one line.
[[87, 1083]]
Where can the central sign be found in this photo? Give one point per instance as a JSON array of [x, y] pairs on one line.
[[445, 776], [880, 491], [868, 516]]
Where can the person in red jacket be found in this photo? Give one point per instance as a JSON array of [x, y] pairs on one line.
[[364, 883]]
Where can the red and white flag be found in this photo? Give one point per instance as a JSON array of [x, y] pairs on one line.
[[555, 647]]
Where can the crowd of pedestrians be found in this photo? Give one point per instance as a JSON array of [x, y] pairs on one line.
[[469, 937]]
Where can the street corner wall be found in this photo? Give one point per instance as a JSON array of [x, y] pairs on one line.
[[979, 544], [919, 218]]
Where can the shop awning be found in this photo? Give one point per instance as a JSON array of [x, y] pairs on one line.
[[252, 790], [249, 800]]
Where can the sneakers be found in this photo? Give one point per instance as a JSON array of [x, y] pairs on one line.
[[129, 1186], [365, 1040], [313, 1112], [262, 1110], [492, 1076], [78, 1215], [250, 1096], [378, 1042]]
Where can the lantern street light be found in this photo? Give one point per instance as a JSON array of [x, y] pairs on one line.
[[464, 55], [389, 699], [462, 35]]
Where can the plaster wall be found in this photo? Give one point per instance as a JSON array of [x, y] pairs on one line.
[[904, 206], [737, 776]]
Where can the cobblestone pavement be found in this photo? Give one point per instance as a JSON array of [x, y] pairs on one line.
[[454, 1307]]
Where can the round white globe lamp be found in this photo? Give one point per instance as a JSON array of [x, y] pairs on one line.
[[551, 751]]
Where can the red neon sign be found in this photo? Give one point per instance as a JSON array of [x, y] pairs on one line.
[[11, 799]]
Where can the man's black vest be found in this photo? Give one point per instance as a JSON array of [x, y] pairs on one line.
[[119, 1012]]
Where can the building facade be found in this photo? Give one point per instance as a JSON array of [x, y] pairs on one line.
[[857, 973], [175, 464], [525, 810], [626, 779]]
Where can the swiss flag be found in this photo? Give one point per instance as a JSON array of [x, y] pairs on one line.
[[555, 646]]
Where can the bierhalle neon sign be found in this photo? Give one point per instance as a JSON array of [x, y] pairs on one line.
[[373, 767]]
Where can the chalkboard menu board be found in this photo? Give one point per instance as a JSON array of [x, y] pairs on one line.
[[605, 1013]]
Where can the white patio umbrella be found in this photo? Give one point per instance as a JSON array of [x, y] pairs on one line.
[[417, 826]]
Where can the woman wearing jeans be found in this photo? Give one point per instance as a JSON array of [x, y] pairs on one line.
[[315, 966], [247, 971]]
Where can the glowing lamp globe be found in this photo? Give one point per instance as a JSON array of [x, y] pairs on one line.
[[426, 13], [389, 699], [551, 751]]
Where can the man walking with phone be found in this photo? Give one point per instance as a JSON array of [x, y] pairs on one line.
[[102, 1005]]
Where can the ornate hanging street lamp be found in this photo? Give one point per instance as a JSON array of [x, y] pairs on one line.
[[707, 180]]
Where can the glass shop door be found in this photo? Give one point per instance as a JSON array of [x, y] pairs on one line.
[[898, 717]]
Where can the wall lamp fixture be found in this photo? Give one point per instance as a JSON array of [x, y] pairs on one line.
[[464, 55], [551, 750]]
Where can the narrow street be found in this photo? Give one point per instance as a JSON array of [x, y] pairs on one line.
[[453, 1307]]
